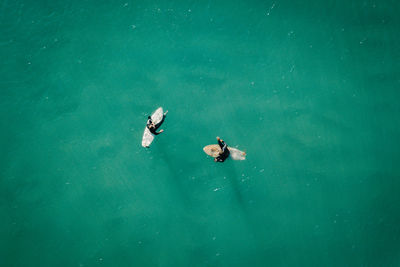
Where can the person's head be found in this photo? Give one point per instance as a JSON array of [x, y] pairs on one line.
[[149, 117]]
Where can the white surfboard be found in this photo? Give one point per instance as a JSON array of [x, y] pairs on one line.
[[148, 137], [214, 150]]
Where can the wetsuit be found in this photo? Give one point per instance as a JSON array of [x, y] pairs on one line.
[[153, 129], [224, 153]]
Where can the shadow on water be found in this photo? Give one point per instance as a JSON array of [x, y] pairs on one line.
[[234, 178], [174, 168]]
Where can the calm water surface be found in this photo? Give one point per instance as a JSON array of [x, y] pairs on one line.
[[309, 89]]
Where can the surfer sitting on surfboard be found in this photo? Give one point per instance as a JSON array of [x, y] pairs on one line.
[[153, 127], [224, 154]]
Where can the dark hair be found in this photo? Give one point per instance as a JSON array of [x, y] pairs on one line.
[[149, 117]]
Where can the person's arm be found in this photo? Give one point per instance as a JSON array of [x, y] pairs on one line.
[[221, 143], [158, 132]]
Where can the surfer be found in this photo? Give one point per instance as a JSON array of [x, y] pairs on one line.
[[224, 154], [153, 127]]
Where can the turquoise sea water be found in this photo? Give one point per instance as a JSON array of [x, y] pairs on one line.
[[309, 89]]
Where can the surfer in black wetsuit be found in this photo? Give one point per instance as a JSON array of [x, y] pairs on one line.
[[153, 127], [224, 154]]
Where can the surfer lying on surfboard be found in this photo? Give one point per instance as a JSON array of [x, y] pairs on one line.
[[153, 127], [224, 154]]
